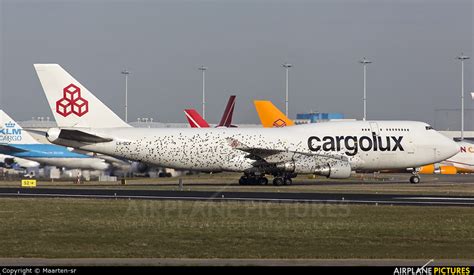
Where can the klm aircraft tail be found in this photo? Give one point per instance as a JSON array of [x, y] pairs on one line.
[[270, 116], [12, 133], [71, 103]]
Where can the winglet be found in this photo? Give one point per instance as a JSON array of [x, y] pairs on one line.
[[195, 119], [270, 116]]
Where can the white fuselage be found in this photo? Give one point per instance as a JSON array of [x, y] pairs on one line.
[[464, 159], [74, 163], [366, 145], [25, 163]]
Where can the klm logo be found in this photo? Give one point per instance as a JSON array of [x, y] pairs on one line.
[[10, 133], [353, 144]]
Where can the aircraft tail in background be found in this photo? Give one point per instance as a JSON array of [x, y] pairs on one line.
[[270, 116], [12, 132], [226, 120], [195, 119]]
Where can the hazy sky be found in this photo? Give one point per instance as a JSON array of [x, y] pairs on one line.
[[413, 45]]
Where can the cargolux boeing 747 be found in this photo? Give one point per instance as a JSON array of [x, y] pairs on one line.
[[331, 149]]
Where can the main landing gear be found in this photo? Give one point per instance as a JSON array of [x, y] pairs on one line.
[[252, 179], [283, 179], [415, 178], [278, 180]]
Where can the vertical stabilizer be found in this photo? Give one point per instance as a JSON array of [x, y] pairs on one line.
[[12, 133], [195, 119], [226, 120], [270, 116], [71, 103]]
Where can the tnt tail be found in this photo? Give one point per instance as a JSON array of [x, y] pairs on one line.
[[270, 116]]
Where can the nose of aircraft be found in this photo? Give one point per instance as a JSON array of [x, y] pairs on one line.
[[447, 148]]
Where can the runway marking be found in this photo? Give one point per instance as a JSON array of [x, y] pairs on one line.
[[240, 199], [437, 198]]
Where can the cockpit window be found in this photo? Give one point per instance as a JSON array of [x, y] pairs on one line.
[[429, 127]]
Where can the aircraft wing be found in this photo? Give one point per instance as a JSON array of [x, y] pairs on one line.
[[254, 153], [10, 149], [277, 155], [466, 139]]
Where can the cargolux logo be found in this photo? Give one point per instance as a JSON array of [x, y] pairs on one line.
[[72, 102], [352, 144]]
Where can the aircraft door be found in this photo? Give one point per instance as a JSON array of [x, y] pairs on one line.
[[374, 127]]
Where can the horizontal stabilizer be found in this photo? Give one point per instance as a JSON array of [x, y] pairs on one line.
[[38, 132], [80, 136]]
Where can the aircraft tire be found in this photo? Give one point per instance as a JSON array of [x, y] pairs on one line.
[[278, 181], [415, 179]]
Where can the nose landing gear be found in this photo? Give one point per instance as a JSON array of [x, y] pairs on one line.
[[415, 178]]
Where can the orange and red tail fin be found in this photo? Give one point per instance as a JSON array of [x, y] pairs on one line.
[[195, 119], [226, 120], [270, 116]]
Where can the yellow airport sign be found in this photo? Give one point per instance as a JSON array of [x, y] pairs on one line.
[[28, 183]]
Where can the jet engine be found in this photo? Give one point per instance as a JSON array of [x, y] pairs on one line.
[[438, 169], [99, 165], [448, 170], [140, 167], [53, 134], [334, 169]]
